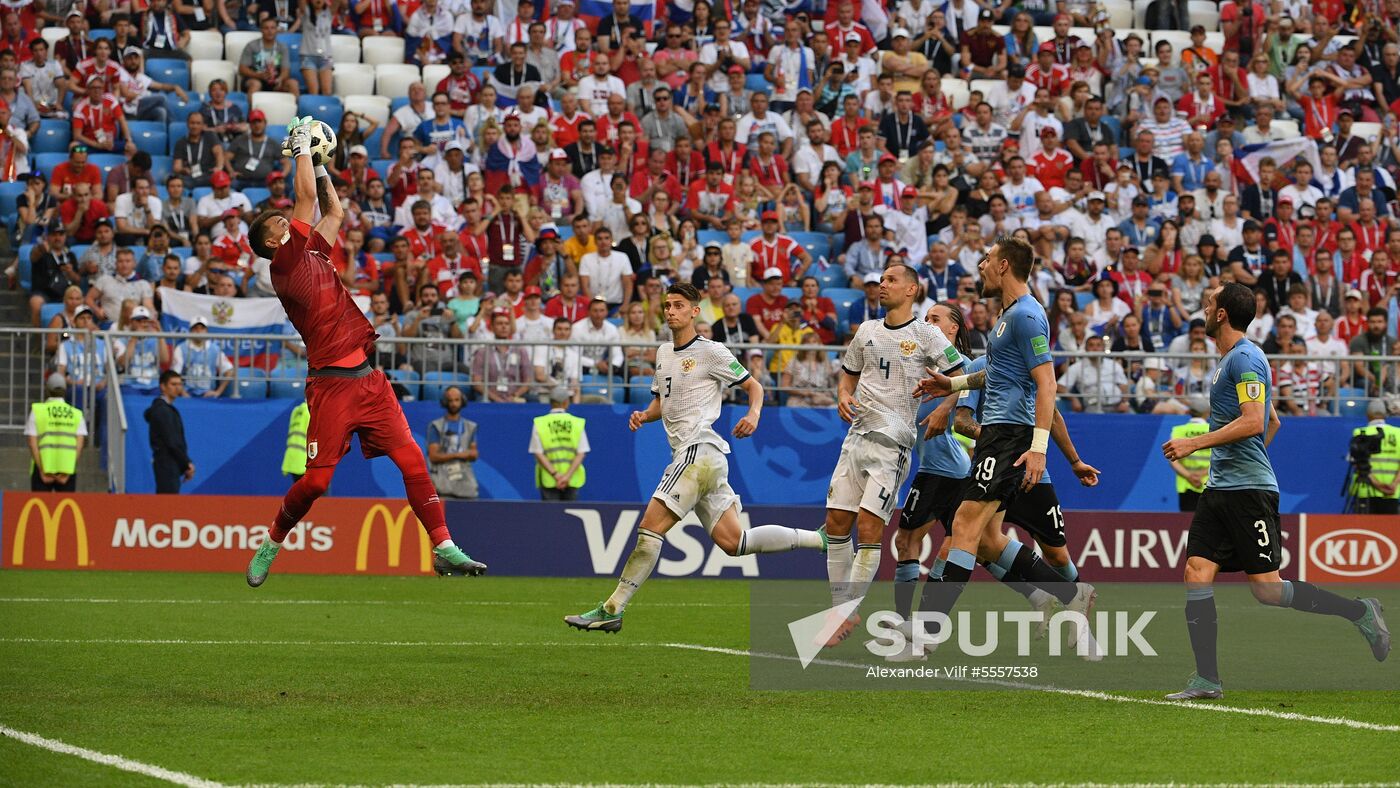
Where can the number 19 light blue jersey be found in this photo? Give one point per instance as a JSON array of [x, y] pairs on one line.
[[973, 398]]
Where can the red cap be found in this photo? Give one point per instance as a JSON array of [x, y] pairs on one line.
[[533, 290], [275, 175], [257, 114], [769, 216], [888, 157], [909, 191], [1048, 131], [1048, 46], [736, 69], [220, 178], [231, 212]]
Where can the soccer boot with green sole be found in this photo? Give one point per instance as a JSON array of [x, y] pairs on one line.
[[825, 539], [262, 562], [452, 561], [1373, 628], [1199, 689], [596, 620]]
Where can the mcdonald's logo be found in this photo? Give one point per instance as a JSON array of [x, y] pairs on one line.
[[51, 520], [393, 534]]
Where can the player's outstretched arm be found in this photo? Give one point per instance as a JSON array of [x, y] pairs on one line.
[[940, 385], [640, 417], [304, 178], [332, 212], [936, 422], [1033, 460], [749, 424], [1251, 421], [1059, 432]]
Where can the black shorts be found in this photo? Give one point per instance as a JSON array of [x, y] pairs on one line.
[[1038, 511], [931, 497], [1237, 529], [995, 476]]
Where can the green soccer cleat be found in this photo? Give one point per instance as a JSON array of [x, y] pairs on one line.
[[596, 620], [262, 562], [1199, 689], [1373, 628], [452, 561]]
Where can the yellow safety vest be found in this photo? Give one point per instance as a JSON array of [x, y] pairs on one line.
[[1198, 461], [294, 459], [1385, 465], [560, 434], [57, 424]]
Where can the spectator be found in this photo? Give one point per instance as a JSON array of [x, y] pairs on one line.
[[767, 305], [266, 63], [169, 456], [98, 120], [431, 319], [82, 213], [736, 328], [790, 331], [44, 80], [605, 356], [1097, 383], [1379, 378], [202, 363], [868, 308], [199, 155], [142, 99], [502, 373], [55, 270], [559, 366], [606, 273], [136, 212], [213, 208], [56, 432], [810, 376], [101, 257], [254, 154], [452, 448], [640, 359], [1285, 338]]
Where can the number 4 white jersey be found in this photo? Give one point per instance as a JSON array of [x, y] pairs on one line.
[[690, 380], [890, 361]]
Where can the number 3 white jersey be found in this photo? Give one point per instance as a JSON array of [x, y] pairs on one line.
[[891, 360], [690, 380]]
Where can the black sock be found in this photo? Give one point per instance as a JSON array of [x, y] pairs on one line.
[[904, 588], [1201, 625], [1011, 580], [1028, 566], [1311, 599], [939, 596]]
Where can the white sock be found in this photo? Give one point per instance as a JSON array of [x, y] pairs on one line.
[[444, 545], [638, 568], [867, 562], [839, 556], [777, 539], [1038, 598]]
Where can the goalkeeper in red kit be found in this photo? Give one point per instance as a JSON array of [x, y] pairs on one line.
[[345, 394]]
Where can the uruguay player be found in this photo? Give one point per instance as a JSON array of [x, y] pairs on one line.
[[1236, 524], [1019, 409]]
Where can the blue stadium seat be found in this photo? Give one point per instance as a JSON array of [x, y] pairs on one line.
[[757, 83], [1353, 402], [179, 110], [169, 70], [256, 194], [53, 136], [240, 99], [149, 136], [817, 244], [749, 236], [395, 103], [199, 192], [102, 32], [843, 297], [106, 162], [744, 293], [834, 276], [712, 236], [594, 385], [45, 162], [372, 145], [1083, 300], [286, 383], [182, 251], [638, 390], [47, 311], [434, 383], [160, 169], [324, 108], [481, 72], [406, 378], [251, 383], [565, 232], [293, 42], [9, 200], [80, 249], [26, 269], [793, 293], [380, 166]]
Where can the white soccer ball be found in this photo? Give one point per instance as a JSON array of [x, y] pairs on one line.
[[322, 142]]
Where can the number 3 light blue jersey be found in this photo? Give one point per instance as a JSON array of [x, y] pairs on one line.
[[891, 360], [1243, 376], [1019, 343], [943, 455]]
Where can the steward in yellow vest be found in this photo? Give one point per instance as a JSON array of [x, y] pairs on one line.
[[1193, 471], [559, 443], [294, 458], [1379, 492], [55, 432]]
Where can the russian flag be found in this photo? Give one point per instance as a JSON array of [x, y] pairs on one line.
[[594, 11], [1281, 151], [235, 316]]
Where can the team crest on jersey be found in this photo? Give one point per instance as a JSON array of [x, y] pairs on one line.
[[311, 449], [1001, 329], [1254, 391], [907, 347], [687, 364], [222, 313]]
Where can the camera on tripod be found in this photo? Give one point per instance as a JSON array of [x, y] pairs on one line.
[[1359, 453]]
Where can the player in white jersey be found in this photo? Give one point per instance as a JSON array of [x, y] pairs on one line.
[[885, 360], [687, 393]]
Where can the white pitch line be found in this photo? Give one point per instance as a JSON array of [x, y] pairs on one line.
[[1090, 694], [114, 761], [355, 602]]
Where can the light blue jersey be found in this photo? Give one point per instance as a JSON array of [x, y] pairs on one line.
[[1019, 343], [972, 398], [1243, 376], [943, 455]]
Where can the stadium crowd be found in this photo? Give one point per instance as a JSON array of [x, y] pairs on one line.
[[566, 167]]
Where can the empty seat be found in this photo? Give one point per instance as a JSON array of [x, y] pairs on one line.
[[345, 49], [393, 79], [436, 382], [433, 74], [376, 50], [406, 378], [376, 107], [54, 34], [53, 137], [205, 45], [957, 92], [279, 107], [149, 136], [45, 162], [180, 110], [169, 70], [106, 162], [323, 108], [352, 79], [202, 72], [251, 383]]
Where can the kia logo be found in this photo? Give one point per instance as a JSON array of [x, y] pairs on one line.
[[1354, 552]]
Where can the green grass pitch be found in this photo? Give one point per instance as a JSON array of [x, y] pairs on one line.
[[412, 680]]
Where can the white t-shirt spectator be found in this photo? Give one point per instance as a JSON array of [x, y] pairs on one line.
[[1098, 381], [1332, 347], [126, 205], [209, 205], [604, 276], [719, 81], [606, 338], [593, 92], [1021, 196]]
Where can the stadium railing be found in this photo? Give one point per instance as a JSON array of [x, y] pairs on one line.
[[116, 427], [29, 363]]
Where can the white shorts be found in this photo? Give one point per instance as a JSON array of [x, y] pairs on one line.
[[868, 475], [697, 480]]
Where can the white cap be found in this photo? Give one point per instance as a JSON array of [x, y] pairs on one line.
[[451, 145], [141, 313], [1155, 363], [899, 31], [360, 150], [872, 278], [772, 273], [1097, 196]]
